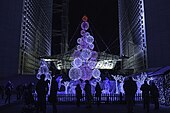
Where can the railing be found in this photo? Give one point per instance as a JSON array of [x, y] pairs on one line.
[[105, 98]]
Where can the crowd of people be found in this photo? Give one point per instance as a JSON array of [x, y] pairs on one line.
[[149, 92], [26, 92]]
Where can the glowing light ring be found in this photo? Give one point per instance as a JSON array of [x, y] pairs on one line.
[[86, 54], [79, 40], [79, 47], [75, 73], [84, 39], [94, 54], [91, 46], [96, 73], [84, 18], [77, 62], [84, 44], [87, 34], [90, 39], [92, 64], [82, 32], [84, 25]]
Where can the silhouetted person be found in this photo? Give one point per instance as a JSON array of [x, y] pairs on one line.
[[19, 91], [2, 91], [88, 94], [130, 89], [41, 89], [155, 95], [120, 97], [53, 94], [78, 94], [98, 93], [8, 92], [28, 96], [145, 88]]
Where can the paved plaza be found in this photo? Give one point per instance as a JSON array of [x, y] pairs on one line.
[[16, 107]]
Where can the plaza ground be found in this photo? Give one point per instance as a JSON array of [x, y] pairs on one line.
[[16, 107]]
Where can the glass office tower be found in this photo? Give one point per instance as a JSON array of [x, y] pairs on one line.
[[133, 48], [36, 29]]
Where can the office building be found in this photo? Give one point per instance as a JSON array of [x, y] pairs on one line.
[[133, 48], [25, 30]]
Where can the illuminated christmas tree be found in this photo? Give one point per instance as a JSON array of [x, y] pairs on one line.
[[85, 59]]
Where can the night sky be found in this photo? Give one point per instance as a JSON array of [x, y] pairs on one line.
[[103, 19]]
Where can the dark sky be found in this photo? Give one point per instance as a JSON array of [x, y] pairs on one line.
[[103, 19], [157, 17]]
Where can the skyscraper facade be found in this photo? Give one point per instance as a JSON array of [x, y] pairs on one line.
[[36, 32], [133, 48], [25, 30]]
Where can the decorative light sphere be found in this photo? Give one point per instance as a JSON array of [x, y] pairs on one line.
[[96, 73], [86, 54], [84, 44], [84, 25], [82, 32], [77, 62], [94, 54], [79, 47], [85, 18], [92, 64], [79, 40], [91, 46], [75, 73], [90, 39], [87, 34], [86, 73]]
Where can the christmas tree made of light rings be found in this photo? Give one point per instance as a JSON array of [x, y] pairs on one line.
[[85, 59]]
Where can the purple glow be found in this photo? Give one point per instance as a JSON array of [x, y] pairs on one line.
[[86, 73], [84, 44], [92, 64], [75, 73], [90, 39], [87, 34], [91, 46], [84, 57], [79, 40], [85, 25], [82, 32], [76, 54], [77, 62], [43, 70], [86, 54], [96, 73], [79, 47]]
